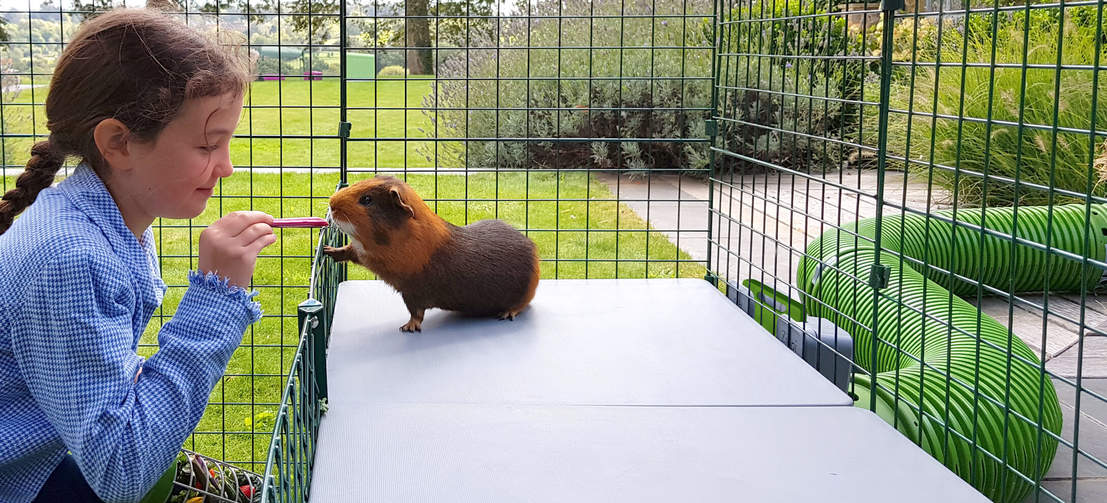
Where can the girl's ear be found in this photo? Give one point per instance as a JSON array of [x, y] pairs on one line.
[[111, 140]]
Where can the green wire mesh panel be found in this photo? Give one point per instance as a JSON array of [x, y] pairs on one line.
[[583, 123], [286, 154], [580, 122], [931, 182], [288, 467]]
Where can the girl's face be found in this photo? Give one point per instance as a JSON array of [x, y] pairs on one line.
[[174, 175]]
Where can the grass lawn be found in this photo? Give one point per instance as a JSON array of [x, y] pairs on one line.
[[238, 423], [365, 150], [292, 108]]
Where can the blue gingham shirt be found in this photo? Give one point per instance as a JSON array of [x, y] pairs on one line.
[[77, 290]]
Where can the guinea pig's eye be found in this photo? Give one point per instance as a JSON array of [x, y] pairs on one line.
[[365, 200]]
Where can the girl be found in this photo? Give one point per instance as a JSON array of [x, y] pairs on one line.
[[149, 106]]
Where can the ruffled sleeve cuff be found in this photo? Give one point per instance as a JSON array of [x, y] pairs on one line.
[[221, 287]]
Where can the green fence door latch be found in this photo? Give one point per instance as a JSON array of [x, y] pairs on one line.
[[879, 276], [344, 129], [711, 127]]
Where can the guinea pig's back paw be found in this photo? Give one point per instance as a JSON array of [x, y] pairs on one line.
[[412, 326], [508, 315]]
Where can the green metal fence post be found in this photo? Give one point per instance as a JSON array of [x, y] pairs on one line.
[[310, 312], [711, 127], [878, 274], [712, 130], [343, 125]]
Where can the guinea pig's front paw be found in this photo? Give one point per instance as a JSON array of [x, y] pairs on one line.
[[412, 326], [508, 315], [338, 254]]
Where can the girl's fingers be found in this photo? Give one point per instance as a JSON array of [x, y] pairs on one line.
[[253, 232], [253, 216], [239, 221], [256, 246]]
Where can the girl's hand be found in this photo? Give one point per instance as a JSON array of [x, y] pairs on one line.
[[229, 247]]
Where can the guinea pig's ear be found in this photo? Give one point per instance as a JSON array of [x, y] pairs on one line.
[[400, 201]]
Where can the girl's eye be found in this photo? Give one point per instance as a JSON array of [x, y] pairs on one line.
[[210, 148], [365, 200]]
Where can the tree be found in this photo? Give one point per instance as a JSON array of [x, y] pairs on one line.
[[253, 8], [92, 8], [314, 28], [165, 5], [451, 27], [418, 39], [445, 24]]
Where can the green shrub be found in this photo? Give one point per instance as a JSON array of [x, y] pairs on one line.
[[794, 72], [963, 155], [579, 77], [392, 71]]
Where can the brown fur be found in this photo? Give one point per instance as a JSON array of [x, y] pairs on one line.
[[482, 269]]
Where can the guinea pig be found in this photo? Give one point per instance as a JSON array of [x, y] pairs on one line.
[[487, 268]]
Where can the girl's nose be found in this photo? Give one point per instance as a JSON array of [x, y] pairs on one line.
[[223, 167]]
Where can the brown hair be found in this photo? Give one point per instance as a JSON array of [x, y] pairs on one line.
[[134, 65]]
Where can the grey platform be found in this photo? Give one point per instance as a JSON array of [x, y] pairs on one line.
[[604, 390], [582, 342]]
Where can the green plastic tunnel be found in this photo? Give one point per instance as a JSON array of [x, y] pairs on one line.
[[936, 349]]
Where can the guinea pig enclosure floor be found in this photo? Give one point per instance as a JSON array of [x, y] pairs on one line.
[[630, 390]]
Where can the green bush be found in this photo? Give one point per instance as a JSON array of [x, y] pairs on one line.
[[786, 70], [392, 71], [578, 77], [968, 156]]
